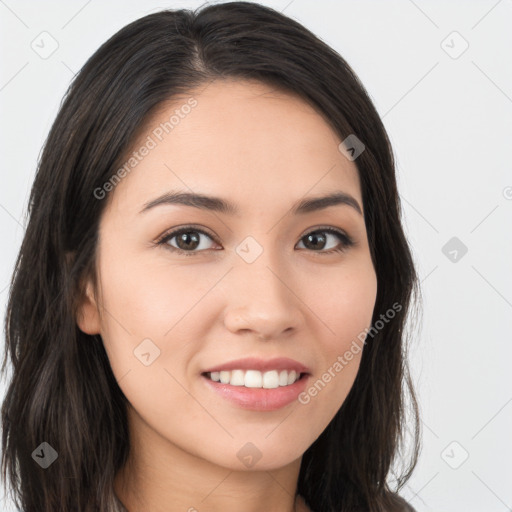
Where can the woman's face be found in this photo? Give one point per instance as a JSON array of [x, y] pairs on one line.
[[249, 282]]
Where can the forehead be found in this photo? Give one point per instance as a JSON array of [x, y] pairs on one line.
[[237, 139]]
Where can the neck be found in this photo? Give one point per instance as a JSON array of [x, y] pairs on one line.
[[162, 477]]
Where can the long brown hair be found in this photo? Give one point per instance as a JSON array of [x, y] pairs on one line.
[[62, 390]]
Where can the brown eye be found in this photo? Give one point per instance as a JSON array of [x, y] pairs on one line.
[[189, 241], [317, 240]]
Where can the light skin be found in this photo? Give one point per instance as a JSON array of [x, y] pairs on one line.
[[264, 150]]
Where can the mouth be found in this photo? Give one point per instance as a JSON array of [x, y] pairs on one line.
[[256, 384], [270, 379]]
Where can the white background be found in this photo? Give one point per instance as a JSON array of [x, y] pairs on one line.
[[450, 122]]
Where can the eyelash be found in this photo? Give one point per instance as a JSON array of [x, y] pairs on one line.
[[346, 241]]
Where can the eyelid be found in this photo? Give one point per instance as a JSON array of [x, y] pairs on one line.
[[327, 228], [177, 230]]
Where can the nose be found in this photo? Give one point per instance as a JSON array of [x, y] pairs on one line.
[[262, 301]]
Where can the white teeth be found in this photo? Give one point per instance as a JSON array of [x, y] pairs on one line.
[[255, 379], [270, 379], [292, 377], [237, 378]]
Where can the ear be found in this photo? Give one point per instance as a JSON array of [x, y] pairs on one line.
[[88, 317]]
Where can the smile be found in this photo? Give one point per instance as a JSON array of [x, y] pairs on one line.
[[255, 379]]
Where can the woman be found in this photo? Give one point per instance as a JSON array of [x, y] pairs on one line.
[[208, 305]]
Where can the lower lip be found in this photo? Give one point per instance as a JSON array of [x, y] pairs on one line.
[[259, 399]]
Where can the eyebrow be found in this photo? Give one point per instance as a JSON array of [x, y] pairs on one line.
[[216, 204]]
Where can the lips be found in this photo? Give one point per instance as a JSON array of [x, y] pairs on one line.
[[258, 384]]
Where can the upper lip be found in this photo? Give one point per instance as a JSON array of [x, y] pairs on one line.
[[254, 363]]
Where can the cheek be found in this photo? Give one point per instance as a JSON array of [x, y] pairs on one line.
[[152, 307], [146, 299], [345, 303], [345, 307], [135, 308], [146, 330]]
